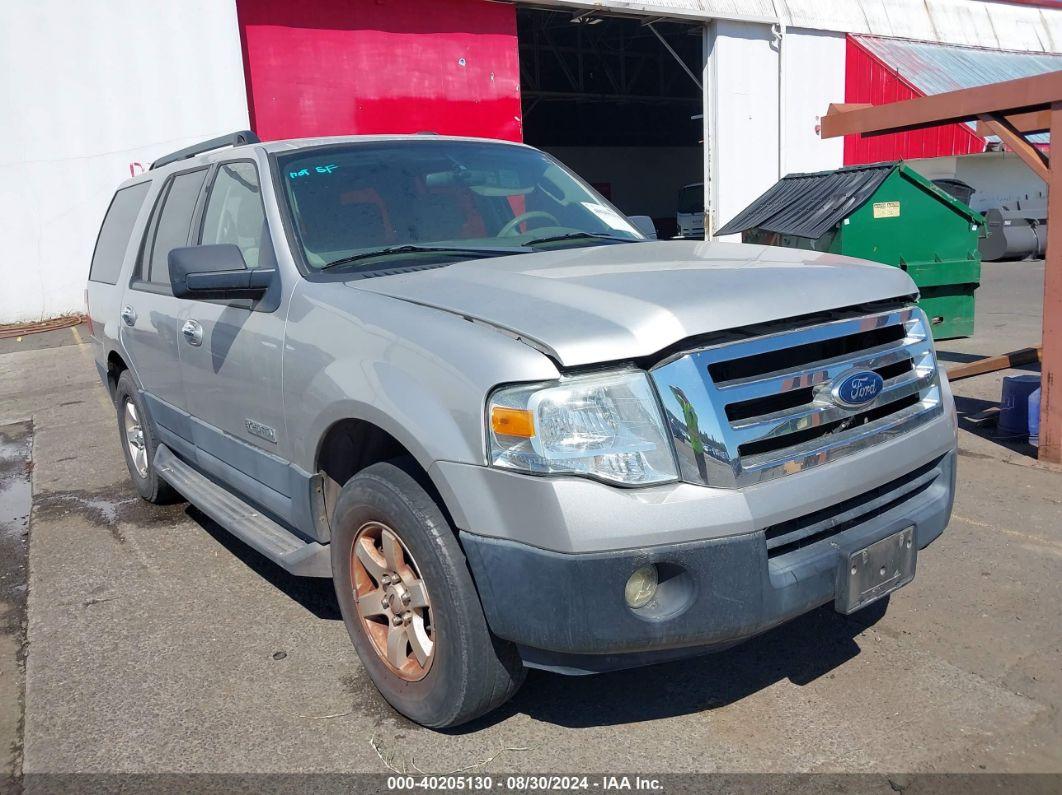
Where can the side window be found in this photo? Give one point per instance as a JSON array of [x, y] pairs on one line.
[[114, 235], [234, 212], [171, 228]]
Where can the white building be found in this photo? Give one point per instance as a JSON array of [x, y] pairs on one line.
[[639, 97]]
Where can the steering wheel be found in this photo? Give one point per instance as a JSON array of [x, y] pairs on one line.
[[510, 228]]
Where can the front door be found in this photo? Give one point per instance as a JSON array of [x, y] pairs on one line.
[[149, 325], [231, 354]]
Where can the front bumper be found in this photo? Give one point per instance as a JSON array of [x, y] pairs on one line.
[[567, 611]]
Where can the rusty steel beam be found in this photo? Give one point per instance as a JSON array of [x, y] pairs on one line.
[[1030, 155], [1036, 121], [1012, 96], [1051, 371]]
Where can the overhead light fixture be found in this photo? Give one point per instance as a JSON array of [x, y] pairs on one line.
[[585, 18]]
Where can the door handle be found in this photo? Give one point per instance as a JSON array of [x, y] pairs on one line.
[[128, 315], [193, 333]]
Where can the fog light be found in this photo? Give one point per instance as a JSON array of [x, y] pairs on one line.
[[641, 587]]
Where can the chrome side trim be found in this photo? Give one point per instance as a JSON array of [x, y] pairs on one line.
[[708, 444]]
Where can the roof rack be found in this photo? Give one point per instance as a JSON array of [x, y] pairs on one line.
[[233, 139]]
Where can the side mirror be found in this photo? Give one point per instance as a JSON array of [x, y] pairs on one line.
[[644, 224], [213, 272]]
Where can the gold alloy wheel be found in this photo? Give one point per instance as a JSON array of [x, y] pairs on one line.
[[392, 601]]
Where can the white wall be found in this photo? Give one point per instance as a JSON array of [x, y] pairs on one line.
[[750, 152], [815, 65], [645, 179], [742, 117], [998, 177], [87, 89]]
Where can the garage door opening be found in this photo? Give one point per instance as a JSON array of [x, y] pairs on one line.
[[617, 100]]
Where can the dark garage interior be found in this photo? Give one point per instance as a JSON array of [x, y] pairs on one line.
[[607, 96]]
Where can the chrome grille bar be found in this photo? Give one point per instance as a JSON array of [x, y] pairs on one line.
[[817, 333], [817, 452], [813, 414], [821, 372], [777, 387]]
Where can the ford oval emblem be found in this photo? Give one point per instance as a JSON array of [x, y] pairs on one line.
[[857, 389]]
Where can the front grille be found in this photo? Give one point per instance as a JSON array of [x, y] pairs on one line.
[[772, 443], [828, 522], [766, 409], [787, 358]]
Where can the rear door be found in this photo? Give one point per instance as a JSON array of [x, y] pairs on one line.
[[150, 316], [231, 365], [113, 245]]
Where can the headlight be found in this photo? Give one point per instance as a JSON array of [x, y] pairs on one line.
[[602, 426]]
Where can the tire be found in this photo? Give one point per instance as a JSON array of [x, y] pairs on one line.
[[141, 468], [467, 672]]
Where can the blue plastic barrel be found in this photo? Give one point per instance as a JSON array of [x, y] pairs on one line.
[[1014, 407], [1034, 417]]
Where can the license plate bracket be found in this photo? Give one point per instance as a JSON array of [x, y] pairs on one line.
[[870, 573]]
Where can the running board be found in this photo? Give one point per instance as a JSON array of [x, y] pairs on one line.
[[304, 558]]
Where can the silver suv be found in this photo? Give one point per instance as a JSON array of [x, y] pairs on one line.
[[447, 374]]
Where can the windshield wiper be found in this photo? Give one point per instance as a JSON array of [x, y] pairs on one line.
[[579, 236], [414, 248]]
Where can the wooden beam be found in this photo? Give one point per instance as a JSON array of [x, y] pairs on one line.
[[994, 364], [1030, 155], [844, 107], [1036, 121], [1051, 372], [1021, 95]]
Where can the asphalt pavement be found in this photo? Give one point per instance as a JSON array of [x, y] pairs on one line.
[[152, 641]]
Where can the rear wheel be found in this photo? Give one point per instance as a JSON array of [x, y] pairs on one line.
[[410, 606], [139, 443]]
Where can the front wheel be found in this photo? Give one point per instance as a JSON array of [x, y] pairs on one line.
[[410, 606]]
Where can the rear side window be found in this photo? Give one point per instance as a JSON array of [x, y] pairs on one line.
[[114, 234], [171, 226]]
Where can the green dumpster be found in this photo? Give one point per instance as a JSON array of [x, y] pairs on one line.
[[885, 212]]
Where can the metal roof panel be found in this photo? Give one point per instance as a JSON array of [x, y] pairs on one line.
[[937, 68]]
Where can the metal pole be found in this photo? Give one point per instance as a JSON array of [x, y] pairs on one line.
[[1051, 378], [675, 55]]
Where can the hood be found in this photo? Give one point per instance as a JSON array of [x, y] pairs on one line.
[[624, 301]]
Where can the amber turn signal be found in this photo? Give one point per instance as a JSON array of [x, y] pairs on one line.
[[512, 422]]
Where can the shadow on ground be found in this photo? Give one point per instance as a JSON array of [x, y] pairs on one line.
[[969, 408], [801, 651], [314, 593]]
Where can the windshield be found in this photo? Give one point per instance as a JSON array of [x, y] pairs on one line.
[[691, 199], [366, 205]]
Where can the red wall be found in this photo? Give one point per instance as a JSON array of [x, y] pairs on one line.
[[866, 79], [335, 67]]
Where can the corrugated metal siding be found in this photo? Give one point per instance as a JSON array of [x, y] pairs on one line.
[[936, 68], [738, 10], [984, 24], [332, 67], [868, 79]]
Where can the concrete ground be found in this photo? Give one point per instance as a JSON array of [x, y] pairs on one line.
[[154, 642]]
